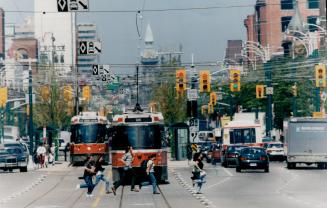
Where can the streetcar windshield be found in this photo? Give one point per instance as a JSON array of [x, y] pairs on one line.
[[88, 133], [139, 137]]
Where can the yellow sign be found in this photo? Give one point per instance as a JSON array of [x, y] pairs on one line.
[[3, 96], [318, 115], [224, 120]]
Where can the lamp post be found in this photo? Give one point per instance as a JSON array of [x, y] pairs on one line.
[[30, 102], [263, 53]]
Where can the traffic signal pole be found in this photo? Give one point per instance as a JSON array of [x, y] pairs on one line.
[[267, 68]]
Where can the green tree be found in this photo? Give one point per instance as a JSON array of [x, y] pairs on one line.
[[50, 108], [173, 107]]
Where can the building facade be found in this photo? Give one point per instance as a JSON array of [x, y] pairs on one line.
[[86, 32], [271, 18], [51, 32], [233, 54]]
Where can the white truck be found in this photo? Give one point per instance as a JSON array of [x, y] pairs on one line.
[[306, 142]]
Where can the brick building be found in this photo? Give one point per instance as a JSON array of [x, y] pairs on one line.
[[271, 18], [234, 52]]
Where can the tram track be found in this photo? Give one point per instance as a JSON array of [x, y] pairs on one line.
[[162, 195], [34, 201]]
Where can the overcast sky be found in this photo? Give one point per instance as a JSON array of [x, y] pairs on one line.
[[201, 32]]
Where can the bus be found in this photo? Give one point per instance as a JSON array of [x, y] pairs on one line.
[[89, 136], [144, 131]]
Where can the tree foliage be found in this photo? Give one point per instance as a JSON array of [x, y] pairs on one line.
[[173, 107], [50, 108]]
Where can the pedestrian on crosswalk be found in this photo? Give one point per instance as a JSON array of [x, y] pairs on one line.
[[99, 170], [89, 172], [150, 173]]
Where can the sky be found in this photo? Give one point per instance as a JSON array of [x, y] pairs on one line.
[[203, 33]]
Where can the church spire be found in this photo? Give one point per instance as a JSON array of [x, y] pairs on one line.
[[148, 39], [296, 22]]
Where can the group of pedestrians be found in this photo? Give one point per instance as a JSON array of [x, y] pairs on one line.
[[94, 169], [44, 156]]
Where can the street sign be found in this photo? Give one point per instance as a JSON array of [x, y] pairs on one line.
[[95, 70], [194, 125], [192, 94], [89, 47], [72, 5], [269, 90]]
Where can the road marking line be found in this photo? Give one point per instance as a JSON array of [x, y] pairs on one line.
[[228, 172], [102, 192], [217, 184]]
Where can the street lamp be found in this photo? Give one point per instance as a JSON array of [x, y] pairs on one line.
[[30, 98]]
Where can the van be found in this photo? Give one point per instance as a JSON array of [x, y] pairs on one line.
[[203, 136]]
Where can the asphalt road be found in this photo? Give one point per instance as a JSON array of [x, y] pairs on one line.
[[55, 188], [305, 187]]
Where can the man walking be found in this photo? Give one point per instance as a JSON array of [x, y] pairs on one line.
[[127, 159], [88, 174], [150, 173]]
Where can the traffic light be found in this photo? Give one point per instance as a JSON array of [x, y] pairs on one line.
[[86, 93], [3, 96], [320, 75], [205, 81], [68, 93], [260, 91], [294, 90], [235, 79], [180, 81], [213, 98]]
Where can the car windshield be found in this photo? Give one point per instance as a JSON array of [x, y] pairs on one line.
[[275, 146], [15, 151], [253, 151], [235, 149]]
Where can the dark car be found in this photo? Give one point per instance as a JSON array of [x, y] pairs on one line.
[[22, 145], [13, 158], [252, 158], [230, 154]]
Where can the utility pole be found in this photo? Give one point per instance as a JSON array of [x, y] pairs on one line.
[[268, 69], [30, 98]]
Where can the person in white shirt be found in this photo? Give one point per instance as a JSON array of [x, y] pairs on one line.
[[150, 173], [41, 151]]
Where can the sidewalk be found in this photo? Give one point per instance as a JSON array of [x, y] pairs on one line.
[[58, 166]]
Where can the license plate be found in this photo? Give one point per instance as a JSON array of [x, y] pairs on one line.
[[253, 164]]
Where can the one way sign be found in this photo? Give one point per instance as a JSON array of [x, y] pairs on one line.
[[72, 5]]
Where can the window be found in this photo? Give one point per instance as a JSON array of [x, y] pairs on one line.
[[313, 4], [286, 4], [284, 22], [312, 20]]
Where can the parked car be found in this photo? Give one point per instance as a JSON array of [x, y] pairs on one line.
[[13, 158], [252, 158], [275, 150], [22, 145], [230, 154]]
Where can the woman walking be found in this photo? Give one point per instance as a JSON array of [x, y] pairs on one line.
[[198, 173]]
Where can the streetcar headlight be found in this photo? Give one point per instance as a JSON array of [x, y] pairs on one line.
[[88, 148]]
